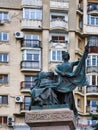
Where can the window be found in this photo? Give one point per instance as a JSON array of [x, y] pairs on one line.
[[93, 79], [58, 38], [31, 40], [3, 78], [56, 55], [59, 16], [3, 36], [30, 13], [92, 20], [3, 99], [27, 101], [4, 16], [3, 120], [31, 55], [93, 40], [3, 57], [79, 102], [92, 60], [29, 81], [79, 44]]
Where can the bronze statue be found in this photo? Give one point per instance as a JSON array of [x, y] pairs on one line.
[[43, 91], [51, 89]]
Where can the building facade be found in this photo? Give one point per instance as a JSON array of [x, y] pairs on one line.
[[33, 34]]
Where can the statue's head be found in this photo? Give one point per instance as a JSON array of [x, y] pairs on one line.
[[65, 56]]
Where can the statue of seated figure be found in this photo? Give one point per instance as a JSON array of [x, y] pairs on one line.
[[50, 89], [43, 91]]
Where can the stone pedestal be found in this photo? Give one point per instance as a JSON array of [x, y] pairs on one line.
[[50, 119]]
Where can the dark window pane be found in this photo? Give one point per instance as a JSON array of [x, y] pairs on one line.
[[0, 120], [5, 99], [5, 120]]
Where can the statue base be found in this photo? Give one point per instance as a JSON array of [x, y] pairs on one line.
[[50, 119]]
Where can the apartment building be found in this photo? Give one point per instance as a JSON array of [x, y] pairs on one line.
[[33, 34]]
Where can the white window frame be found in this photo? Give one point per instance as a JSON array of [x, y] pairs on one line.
[[32, 52], [31, 36], [2, 57], [3, 16], [95, 20], [29, 15], [56, 59], [90, 79], [2, 36], [90, 60]]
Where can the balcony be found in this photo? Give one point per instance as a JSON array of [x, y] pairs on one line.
[[91, 69], [59, 44], [90, 29], [59, 24], [28, 43], [31, 2], [31, 24], [25, 86], [91, 109], [30, 66], [92, 89], [93, 49], [64, 4]]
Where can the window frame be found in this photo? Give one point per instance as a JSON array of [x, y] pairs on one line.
[[3, 100], [2, 120], [33, 53], [27, 13], [90, 61], [2, 36], [4, 78], [2, 60], [56, 56], [3, 16]]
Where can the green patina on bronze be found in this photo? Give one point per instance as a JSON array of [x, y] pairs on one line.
[[57, 90]]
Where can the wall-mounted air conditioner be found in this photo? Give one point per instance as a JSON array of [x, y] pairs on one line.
[[10, 121], [19, 35], [18, 99]]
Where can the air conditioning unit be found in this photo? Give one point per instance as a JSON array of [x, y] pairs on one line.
[[19, 35], [1, 22], [10, 121], [18, 99]]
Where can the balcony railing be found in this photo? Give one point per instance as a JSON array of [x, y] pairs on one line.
[[91, 109], [30, 65], [59, 4], [58, 23], [92, 89], [91, 69], [30, 43], [31, 24], [32, 2], [27, 84], [62, 42], [93, 42]]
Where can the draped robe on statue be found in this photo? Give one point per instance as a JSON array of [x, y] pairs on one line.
[[69, 79]]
